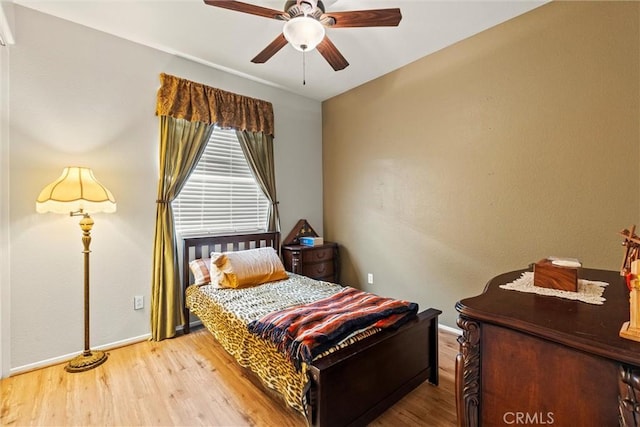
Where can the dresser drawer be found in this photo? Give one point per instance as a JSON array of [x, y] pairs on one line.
[[320, 254], [318, 270]]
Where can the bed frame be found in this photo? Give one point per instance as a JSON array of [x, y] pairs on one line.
[[354, 385]]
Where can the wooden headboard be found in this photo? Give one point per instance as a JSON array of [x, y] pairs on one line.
[[201, 247]]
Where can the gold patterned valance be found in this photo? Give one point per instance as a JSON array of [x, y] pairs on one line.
[[195, 102]]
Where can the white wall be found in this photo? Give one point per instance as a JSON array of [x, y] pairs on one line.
[[6, 16], [82, 97]]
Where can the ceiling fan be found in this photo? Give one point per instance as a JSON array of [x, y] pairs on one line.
[[305, 22]]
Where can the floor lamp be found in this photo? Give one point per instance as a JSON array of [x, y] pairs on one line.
[[78, 193]]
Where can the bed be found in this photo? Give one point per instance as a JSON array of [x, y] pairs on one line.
[[349, 385]]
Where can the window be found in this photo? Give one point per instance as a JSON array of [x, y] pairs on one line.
[[221, 195]]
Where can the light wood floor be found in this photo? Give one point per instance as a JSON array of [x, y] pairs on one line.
[[189, 380]]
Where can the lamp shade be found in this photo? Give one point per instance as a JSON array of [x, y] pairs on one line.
[[304, 33], [75, 190]]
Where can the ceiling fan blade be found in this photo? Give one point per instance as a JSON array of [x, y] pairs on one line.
[[246, 8], [331, 53], [365, 18], [270, 50]]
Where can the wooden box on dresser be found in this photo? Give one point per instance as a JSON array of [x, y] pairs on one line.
[[318, 262], [535, 359]]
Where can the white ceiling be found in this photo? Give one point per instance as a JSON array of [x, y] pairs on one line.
[[228, 40]]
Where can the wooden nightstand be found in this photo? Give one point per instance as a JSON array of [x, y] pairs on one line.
[[318, 262]]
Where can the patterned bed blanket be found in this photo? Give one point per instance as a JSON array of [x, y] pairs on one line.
[[303, 332], [227, 312]]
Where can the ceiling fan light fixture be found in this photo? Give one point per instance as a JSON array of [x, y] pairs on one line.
[[303, 33]]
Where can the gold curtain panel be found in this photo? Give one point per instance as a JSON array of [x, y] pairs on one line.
[[195, 102]]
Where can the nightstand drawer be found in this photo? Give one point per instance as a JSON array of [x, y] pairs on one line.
[[318, 270], [317, 255], [317, 262]]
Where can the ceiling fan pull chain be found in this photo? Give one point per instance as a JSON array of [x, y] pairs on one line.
[[304, 68]]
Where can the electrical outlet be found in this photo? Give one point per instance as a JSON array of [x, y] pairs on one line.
[[138, 302], [370, 278]]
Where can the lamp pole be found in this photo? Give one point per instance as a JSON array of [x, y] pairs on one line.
[[88, 359]]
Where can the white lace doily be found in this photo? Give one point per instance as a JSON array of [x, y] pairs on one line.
[[589, 291]]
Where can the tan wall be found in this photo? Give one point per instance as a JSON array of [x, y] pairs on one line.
[[513, 145]]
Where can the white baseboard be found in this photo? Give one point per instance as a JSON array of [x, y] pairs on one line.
[[450, 329], [61, 359], [64, 358]]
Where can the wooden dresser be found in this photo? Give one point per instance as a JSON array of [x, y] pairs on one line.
[[318, 262], [536, 360]]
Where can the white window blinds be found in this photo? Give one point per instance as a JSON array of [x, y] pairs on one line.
[[221, 195]]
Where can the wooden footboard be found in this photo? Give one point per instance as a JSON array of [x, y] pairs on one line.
[[355, 384]]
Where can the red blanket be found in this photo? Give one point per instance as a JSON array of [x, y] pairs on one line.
[[303, 332]]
